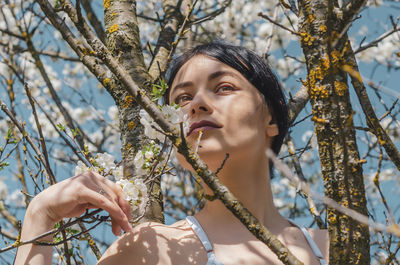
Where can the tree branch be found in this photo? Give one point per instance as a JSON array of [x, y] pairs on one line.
[[93, 20], [372, 120], [297, 103]]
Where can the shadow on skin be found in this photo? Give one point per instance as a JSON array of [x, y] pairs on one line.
[[153, 243]]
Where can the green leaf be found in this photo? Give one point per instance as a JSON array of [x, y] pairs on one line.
[[159, 90], [75, 132], [9, 134], [3, 165], [61, 127]]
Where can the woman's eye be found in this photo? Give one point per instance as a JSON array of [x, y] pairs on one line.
[[182, 99], [225, 88]]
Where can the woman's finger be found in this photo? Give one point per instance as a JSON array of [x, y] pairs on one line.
[[119, 195], [101, 201], [115, 228]]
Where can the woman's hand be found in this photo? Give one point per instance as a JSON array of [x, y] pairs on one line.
[[70, 198], [73, 196]]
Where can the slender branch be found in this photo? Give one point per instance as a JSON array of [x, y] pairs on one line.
[[52, 54], [352, 9], [395, 28], [41, 137], [27, 137], [372, 120], [284, 169], [94, 21], [311, 204], [7, 215], [213, 14], [277, 24], [36, 240], [53, 93]]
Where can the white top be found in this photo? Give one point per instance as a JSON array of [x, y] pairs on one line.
[[212, 260]]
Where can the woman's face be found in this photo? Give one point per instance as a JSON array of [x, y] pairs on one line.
[[227, 108]]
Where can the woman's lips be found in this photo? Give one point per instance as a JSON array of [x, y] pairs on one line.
[[203, 126]]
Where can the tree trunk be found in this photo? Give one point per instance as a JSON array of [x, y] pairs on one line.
[[124, 41], [320, 28]]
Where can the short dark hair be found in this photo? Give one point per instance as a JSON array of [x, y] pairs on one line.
[[254, 69]]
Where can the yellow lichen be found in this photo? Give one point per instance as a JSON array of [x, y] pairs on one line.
[[113, 28], [335, 54], [319, 120], [318, 92], [128, 101], [106, 81], [107, 4], [323, 28], [332, 220], [311, 18], [340, 88], [306, 38], [325, 63], [131, 125]]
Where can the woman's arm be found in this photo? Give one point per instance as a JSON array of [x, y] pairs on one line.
[[70, 198]]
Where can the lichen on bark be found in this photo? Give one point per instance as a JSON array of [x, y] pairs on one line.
[[124, 43], [320, 25]]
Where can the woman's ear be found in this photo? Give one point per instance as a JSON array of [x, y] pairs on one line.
[[272, 129]]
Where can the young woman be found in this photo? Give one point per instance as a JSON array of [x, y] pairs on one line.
[[232, 96]]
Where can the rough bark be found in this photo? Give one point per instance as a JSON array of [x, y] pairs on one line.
[[123, 41], [320, 25], [173, 20]]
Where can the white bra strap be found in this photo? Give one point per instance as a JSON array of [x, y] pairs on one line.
[[311, 242], [196, 227]]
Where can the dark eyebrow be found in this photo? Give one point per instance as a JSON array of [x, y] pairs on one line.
[[219, 73], [180, 85], [210, 77]]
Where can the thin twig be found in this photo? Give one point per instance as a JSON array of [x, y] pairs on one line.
[[278, 24], [284, 169]]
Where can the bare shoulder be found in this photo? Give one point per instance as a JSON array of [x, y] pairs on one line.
[[321, 238], [152, 243]]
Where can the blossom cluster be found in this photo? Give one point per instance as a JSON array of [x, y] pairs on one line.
[[134, 190], [172, 113]]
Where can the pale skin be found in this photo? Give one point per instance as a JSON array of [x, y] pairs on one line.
[[207, 90]]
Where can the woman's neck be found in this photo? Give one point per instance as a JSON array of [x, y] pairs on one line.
[[249, 182]]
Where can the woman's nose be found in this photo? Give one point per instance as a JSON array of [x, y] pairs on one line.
[[201, 104]]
